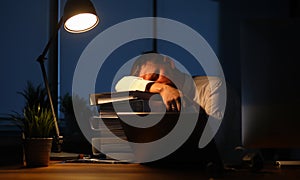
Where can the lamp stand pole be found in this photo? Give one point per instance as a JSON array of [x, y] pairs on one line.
[[154, 41], [58, 140]]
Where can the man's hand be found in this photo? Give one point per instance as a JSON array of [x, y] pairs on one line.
[[170, 95]]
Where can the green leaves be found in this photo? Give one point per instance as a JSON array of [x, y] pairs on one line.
[[35, 96], [38, 122], [37, 118]]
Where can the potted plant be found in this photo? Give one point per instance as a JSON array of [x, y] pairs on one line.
[[37, 125]]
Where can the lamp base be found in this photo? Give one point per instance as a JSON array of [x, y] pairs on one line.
[[57, 144]]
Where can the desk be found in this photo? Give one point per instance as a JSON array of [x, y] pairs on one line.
[[86, 171]]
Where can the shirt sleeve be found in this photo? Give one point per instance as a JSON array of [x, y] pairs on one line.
[[211, 92], [132, 83]]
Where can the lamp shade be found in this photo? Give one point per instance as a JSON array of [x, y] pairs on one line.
[[79, 16]]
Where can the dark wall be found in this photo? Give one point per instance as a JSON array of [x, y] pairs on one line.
[[202, 16], [24, 34], [232, 15]]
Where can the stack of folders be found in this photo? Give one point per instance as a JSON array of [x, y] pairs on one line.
[[112, 140], [125, 101]]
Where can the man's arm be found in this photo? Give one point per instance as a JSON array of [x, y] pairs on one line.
[[171, 96]]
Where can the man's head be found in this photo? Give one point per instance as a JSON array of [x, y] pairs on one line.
[[156, 67]]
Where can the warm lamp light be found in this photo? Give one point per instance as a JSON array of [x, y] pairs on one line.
[[81, 23], [79, 16]]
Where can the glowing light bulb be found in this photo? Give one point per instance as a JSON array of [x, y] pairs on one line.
[[81, 22]]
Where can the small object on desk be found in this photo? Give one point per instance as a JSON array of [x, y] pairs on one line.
[[94, 160], [281, 164]]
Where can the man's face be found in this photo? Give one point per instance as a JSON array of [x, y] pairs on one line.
[[161, 73]]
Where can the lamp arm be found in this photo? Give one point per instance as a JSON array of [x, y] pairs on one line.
[[54, 35], [41, 59]]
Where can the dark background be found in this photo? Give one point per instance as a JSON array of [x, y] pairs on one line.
[[25, 29]]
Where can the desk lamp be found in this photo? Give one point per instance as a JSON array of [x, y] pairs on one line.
[[79, 16]]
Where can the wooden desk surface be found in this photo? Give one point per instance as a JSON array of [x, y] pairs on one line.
[[89, 171]]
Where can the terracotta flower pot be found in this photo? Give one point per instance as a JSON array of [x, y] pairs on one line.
[[37, 151]]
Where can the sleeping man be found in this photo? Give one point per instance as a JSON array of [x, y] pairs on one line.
[[156, 73]]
